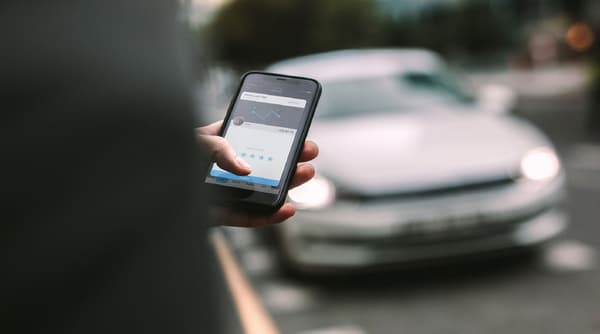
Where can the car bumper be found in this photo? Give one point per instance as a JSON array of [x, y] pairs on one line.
[[350, 235]]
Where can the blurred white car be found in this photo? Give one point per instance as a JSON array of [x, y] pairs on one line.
[[413, 168]]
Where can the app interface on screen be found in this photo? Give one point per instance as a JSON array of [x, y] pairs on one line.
[[262, 129]]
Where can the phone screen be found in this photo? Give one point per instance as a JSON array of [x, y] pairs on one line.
[[264, 128]]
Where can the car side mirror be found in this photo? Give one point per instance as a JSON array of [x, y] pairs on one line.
[[497, 99]]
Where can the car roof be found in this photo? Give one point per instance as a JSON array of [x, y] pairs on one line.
[[358, 64]]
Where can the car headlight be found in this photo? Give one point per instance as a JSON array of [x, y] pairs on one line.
[[540, 164], [316, 193]]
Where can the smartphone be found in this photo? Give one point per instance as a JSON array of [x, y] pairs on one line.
[[266, 124]]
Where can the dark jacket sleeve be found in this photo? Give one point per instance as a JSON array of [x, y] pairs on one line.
[[103, 226]]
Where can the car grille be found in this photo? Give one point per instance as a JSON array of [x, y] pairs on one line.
[[427, 192], [451, 230]]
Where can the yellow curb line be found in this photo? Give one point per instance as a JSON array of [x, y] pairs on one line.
[[254, 317]]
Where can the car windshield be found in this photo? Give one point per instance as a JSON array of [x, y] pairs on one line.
[[402, 92]]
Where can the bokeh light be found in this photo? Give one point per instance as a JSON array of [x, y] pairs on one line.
[[580, 36]]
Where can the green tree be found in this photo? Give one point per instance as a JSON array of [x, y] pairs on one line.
[[255, 32], [471, 27]]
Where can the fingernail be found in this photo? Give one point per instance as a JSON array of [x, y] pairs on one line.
[[243, 163]]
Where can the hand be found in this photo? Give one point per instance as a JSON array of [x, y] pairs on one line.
[[223, 154]]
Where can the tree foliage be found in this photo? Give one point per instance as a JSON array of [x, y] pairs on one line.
[[473, 28], [256, 32]]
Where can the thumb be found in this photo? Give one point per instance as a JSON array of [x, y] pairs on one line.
[[223, 154]]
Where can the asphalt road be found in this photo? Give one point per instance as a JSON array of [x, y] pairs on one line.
[[554, 290]]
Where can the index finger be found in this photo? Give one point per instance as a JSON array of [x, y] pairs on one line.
[[310, 150]]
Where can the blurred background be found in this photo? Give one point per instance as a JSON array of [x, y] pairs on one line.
[[471, 87]]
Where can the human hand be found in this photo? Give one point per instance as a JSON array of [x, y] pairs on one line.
[[224, 156]]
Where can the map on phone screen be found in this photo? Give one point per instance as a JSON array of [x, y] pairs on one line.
[[261, 130]]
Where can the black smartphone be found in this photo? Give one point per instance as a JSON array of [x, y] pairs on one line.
[[266, 124]]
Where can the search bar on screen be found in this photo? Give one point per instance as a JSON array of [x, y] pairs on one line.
[[273, 99]]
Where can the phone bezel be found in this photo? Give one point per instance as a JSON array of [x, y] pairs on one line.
[[263, 201]]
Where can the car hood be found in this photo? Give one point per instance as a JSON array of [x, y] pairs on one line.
[[392, 153]]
